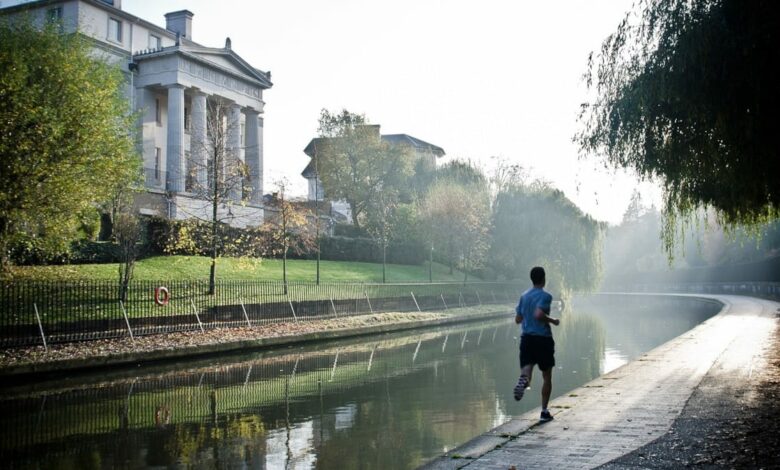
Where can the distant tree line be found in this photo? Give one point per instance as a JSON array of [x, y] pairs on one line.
[[496, 226]]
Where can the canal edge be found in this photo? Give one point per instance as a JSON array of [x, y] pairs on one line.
[[32, 371], [496, 438]]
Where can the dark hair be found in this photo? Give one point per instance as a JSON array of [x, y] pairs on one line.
[[537, 275]]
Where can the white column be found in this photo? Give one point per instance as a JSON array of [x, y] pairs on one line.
[[175, 151], [233, 157], [253, 154], [198, 141]]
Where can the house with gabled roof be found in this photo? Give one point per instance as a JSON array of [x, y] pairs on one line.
[[423, 151]]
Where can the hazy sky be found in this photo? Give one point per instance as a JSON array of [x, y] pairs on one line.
[[480, 79]]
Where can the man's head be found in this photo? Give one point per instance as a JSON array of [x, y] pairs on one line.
[[537, 276]]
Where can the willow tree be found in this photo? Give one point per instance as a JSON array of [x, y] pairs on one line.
[[535, 225], [66, 140], [685, 91]]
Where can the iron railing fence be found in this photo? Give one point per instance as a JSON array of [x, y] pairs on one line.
[[65, 311]]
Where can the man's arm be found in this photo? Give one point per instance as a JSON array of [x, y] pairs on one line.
[[518, 319], [545, 317]]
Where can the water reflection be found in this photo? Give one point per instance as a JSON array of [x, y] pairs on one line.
[[394, 401]]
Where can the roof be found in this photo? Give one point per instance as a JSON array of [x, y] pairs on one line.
[[418, 144], [310, 171], [186, 46], [203, 53]]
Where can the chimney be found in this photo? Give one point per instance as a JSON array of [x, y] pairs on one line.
[[180, 22]]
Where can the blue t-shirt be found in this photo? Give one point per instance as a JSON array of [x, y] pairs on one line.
[[529, 301]]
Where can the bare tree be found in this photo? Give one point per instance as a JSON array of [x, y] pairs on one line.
[[127, 232], [216, 175], [380, 221], [290, 226]]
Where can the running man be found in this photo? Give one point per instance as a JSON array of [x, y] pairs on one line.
[[536, 342]]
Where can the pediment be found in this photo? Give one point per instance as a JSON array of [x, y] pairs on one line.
[[228, 60], [222, 61]]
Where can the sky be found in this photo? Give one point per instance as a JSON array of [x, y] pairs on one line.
[[484, 80]]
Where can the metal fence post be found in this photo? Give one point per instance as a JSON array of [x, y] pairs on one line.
[[245, 315], [442, 301], [415, 302], [127, 321], [369, 302], [478, 298], [295, 317], [40, 327], [197, 317], [333, 306]]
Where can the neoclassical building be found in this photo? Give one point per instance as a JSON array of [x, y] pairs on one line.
[[178, 87]]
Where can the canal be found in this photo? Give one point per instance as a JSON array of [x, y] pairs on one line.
[[392, 401]]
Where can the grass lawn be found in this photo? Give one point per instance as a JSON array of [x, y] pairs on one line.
[[171, 268]]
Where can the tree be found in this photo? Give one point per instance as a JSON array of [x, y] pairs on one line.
[[290, 226], [128, 232], [686, 91], [217, 176], [535, 225], [354, 163], [380, 222], [66, 140], [458, 218]]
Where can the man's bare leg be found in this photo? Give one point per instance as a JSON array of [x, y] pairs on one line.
[[546, 387], [528, 371], [523, 381]]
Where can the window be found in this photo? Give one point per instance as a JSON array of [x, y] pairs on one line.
[[157, 162], [114, 30], [158, 111], [187, 119], [155, 42], [54, 15]]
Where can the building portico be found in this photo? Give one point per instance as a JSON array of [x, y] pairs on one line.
[[202, 98]]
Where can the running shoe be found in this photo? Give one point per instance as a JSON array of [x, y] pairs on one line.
[[545, 416], [522, 384]]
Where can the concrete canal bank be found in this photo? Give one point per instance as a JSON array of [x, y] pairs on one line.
[[634, 405], [94, 355]]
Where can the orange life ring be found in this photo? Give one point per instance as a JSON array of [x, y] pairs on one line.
[[161, 296]]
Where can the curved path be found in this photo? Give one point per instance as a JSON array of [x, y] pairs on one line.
[[633, 405]]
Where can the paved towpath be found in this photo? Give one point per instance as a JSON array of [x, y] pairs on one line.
[[631, 406]]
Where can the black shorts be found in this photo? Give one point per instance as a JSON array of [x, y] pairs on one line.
[[539, 350]]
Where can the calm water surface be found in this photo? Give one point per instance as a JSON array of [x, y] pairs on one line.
[[393, 401]]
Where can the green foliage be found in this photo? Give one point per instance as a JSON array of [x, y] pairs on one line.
[[355, 165], [539, 226], [687, 92], [457, 218], [65, 144]]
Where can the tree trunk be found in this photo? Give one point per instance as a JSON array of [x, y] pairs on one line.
[[430, 267], [284, 269], [384, 263]]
